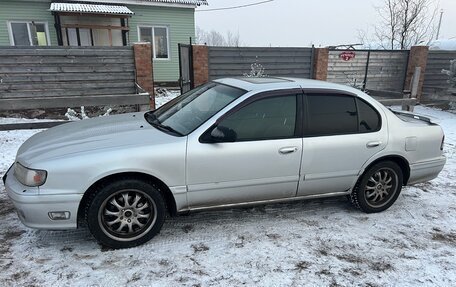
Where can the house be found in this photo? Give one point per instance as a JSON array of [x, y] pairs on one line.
[[164, 23]]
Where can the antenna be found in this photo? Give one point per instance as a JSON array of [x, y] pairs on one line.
[[440, 24]]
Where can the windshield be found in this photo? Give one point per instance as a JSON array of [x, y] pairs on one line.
[[187, 112]]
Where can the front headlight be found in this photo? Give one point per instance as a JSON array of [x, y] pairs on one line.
[[28, 176]]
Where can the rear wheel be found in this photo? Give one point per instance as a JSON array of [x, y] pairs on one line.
[[378, 188], [125, 213]]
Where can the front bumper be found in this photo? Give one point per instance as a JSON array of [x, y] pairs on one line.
[[33, 208], [425, 171]]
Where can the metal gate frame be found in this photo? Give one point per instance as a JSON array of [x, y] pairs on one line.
[[186, 84]]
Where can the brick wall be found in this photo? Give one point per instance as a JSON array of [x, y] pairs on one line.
[[144, 69], [200, 64], [321, 64], [417, 58]]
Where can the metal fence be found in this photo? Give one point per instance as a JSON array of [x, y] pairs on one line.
[[279, 62], [376, 70]]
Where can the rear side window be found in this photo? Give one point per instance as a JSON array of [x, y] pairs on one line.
[[331, 115], [369, 119]]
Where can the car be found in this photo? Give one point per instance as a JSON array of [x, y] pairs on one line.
[[228, 143]]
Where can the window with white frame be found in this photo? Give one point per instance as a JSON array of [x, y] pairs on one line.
[[28, 33], [158, 36]]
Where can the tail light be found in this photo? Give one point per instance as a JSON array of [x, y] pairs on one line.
[[443, 140]]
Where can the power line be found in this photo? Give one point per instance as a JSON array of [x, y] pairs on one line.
[[235, 7]]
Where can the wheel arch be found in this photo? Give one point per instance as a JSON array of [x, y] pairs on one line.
[[399, 160], [163, 188]]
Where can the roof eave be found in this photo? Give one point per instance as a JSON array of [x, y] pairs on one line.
[[138, 2], [92, 13]]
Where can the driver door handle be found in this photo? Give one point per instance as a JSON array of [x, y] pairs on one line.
[[287, 150]]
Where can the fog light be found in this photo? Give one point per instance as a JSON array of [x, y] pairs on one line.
[[59, 215]]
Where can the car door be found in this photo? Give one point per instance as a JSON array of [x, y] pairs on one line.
[[341, 132], [261, 163]]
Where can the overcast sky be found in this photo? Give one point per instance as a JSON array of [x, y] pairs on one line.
[[303, 22]]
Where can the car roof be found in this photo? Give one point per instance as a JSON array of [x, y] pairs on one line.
[[272, 83]]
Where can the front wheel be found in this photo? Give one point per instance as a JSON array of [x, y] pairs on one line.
[[378, 188], [125, 213]]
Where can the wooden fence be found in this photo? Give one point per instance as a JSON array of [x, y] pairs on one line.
[[279, 62], [436, 85], [48, 77]]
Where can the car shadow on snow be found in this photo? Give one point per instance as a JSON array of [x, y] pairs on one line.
[[206, 225]]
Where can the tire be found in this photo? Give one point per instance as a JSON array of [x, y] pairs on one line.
[[378, 188], [125, 213]]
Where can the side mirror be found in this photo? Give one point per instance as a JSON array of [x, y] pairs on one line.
[[219, 134]]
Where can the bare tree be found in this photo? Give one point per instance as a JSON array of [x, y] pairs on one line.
[[404, 23], [233, 39], [214, 38]]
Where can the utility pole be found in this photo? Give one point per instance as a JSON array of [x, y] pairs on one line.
[[440, 24]]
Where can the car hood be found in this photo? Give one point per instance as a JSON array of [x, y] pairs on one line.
[[118, 131]]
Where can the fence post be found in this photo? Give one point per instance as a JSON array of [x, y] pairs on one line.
[[200, 64], [320, 64], [144, 69], [366, 71], [417, 59]]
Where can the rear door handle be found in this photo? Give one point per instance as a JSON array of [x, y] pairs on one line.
[[373, 144], [287, 150]]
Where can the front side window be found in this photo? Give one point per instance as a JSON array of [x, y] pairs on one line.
[[268, 118], [158, 36], [187, 112], [28, 33], [333, 114]]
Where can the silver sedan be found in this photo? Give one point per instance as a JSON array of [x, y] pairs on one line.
[[230, 142]]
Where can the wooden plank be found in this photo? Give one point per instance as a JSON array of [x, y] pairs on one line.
[[269, 72], [67, 52], [65, 48], [394, 102], [27, 77], [261, 60], [259, 54], [260, 49], [43, 86], [30, 126], [41, 94], [435, 63], [69, 102], [66, 69], [386, 94], [277, 66], [74, 60]]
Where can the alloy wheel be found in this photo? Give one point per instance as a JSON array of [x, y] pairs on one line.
[[381, 187], [127, 214]]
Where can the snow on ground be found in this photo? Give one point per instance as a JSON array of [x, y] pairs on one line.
[[165, 96], [315, 242]]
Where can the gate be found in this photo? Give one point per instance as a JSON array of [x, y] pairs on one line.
[[372, 70], [185, 68], [274, 62]]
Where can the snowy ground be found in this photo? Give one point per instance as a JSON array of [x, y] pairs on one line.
[[317, 242]]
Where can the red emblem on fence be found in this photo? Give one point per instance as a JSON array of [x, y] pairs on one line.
[[347, 55]]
